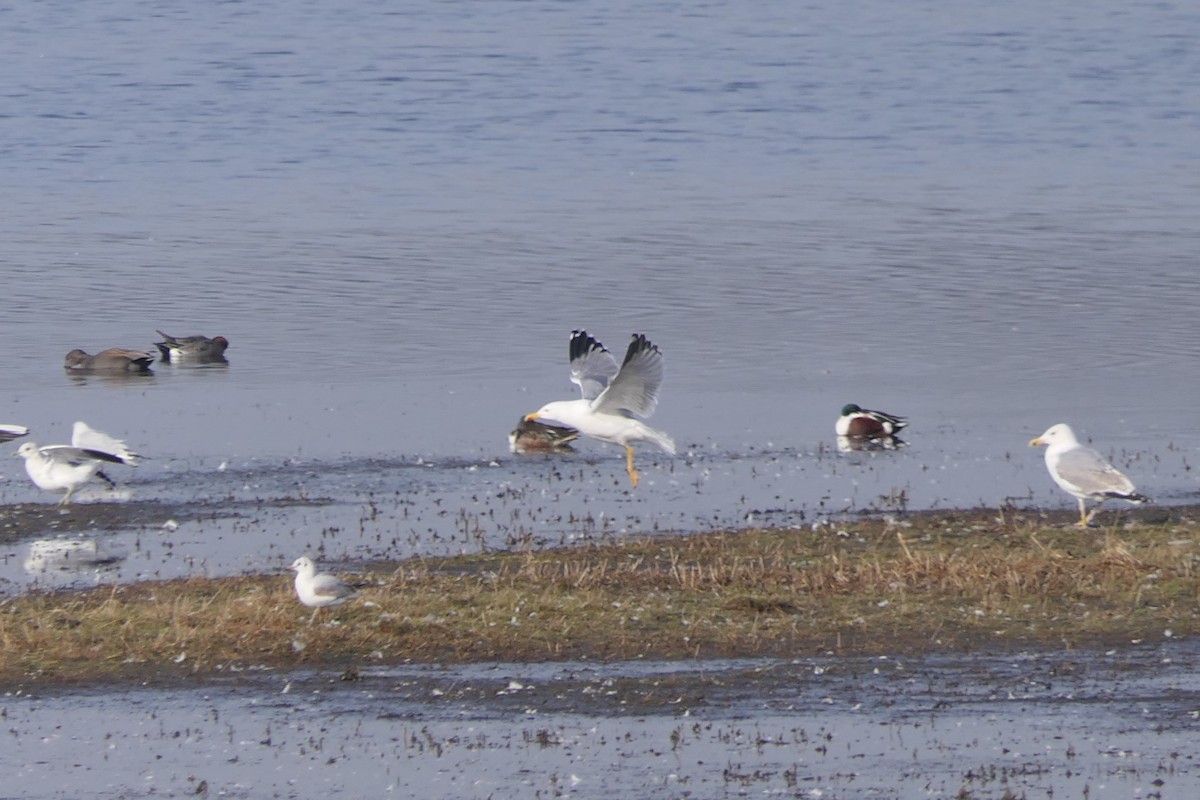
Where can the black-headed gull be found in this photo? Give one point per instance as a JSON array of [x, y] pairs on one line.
[[319, 590], [1082, 472], [613, 396], [64, 468]]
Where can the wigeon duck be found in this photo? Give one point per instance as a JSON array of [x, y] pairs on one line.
[[114, 359], [191, 348]]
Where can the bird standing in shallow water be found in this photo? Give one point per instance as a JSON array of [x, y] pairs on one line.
[[613, 396], [319, 590], [1082, 472]]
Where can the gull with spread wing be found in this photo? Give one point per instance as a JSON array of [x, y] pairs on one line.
[[614, 397], [64, 468]]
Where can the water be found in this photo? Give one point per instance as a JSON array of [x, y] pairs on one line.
[[983, 220], [1077, 725]]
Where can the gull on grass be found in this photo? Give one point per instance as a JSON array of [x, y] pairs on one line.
[[1082, 472], [319, 590]]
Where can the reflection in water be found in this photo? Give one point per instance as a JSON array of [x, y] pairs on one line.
[[84, 377], [68, 560], [849, 444]]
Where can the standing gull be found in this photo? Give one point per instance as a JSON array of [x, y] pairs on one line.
[[1082, 472], [64, 468], [319, 590], [613, 396]]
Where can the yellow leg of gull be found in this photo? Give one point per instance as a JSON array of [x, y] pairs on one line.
[[1084, 517], [633, 475]]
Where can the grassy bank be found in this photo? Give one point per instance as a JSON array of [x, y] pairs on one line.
[[944, 581]]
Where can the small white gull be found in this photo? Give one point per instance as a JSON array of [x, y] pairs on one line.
[[319, 590], [64, 468], [1082, 472], [614, 397]]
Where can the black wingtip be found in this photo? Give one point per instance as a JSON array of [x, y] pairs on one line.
[[582, 344], [640, 344]]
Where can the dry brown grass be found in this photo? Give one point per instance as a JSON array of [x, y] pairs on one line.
[[944, 581]]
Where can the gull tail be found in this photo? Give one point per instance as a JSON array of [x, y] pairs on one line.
[[661, 439]]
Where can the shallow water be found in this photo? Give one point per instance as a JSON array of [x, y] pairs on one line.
[[1081, 724]]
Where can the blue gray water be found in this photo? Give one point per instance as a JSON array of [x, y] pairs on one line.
[[982, 216], [1086, 725], [984, 220]]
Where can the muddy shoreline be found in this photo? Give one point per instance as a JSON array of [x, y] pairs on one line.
[[983, 582]]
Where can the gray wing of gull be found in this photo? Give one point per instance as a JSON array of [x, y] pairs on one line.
[[635, 389], [84, 436], [326, 585], [592, 366], [1087, 470], [10, 432], [65, 454]]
